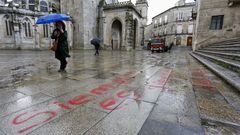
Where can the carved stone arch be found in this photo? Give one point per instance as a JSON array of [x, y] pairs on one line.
[[27, 27], [8, 25], [116, 33], [116, 18]]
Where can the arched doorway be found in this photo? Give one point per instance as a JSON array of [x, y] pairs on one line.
[[189, 41], [116, 37], [178, 40], [135, 25]]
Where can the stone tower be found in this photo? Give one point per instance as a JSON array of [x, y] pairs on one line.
[[142, 6]]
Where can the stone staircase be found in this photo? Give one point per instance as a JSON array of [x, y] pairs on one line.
[[223, 58]]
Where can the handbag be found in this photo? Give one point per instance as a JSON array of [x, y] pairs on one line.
[[54, 45]]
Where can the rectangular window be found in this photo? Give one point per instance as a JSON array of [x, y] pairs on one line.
[[190, 28], [166, 19], [10, 23], [217, 22], [24, 4], [29, 30], [25, 27], [160, 20], [179, 29], [180, 15], [45, 31], [7, 28]]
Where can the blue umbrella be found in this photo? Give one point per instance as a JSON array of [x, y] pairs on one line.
[[51, 18]]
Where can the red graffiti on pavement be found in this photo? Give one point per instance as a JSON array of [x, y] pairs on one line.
[[63, 105], [51, 115], [162, 79], [78, 100], [107, 104], [200, 78]]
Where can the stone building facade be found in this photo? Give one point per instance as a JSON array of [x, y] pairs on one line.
[[17, 23], [119, 24], [217, 20], [175, 24]]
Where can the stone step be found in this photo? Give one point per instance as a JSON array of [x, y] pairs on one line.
[[226, 50], [224, 46], [229, 76], [226, 55], [229, 41], [226, 63]]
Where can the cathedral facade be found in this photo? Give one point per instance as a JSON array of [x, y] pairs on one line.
[[17, 22], [120, 25]]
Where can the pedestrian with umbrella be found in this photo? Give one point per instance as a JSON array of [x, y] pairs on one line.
[[60, 45], [96, 42]]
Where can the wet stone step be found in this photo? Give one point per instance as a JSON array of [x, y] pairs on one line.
[[212, 128]]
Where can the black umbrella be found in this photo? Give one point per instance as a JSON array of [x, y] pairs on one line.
[[95, 41]]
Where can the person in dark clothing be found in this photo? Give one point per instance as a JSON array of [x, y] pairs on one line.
[[97, 46], [96, 43], [62, 52], [170, 47]]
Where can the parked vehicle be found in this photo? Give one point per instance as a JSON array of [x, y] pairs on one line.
[[158, 45]]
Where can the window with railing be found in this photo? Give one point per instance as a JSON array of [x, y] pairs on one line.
[[31, 5], [24, 4]]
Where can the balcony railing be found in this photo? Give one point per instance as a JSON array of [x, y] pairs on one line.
[[194, 13]]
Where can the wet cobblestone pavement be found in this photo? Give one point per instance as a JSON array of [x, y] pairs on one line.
[[116, 93]]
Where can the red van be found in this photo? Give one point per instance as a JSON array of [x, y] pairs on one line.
[[158, 45]]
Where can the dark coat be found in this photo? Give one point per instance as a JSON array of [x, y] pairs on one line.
[[62, 50]]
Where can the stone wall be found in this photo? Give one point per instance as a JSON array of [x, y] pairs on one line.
[[231, 25]]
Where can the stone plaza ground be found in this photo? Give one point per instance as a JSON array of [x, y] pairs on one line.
[[116, 93]]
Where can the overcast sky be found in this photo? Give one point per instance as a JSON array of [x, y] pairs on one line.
[[158, 6]]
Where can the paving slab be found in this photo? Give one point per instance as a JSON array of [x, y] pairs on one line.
[[73, 123], [127, 120], [22, 103], [9, 96], [146, 93], [1, 133]]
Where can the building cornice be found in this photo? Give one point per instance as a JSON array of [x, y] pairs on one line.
[[184, 6], [122, 5], [7, 10]]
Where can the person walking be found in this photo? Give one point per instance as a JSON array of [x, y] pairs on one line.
[[96, 43], [62, 52], [170, 47]]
